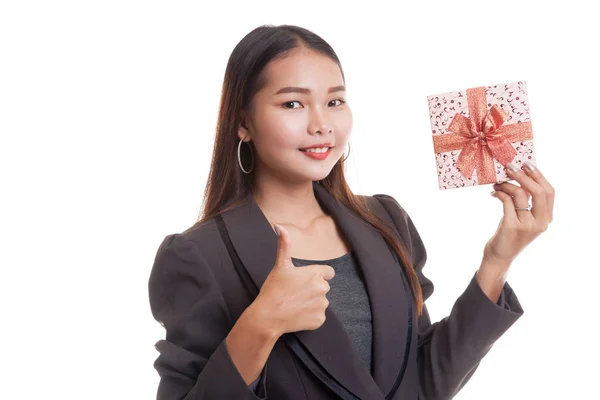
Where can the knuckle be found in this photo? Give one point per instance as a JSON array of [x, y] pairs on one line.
[[322, 318], [539, 191], [520, 192], [315, 271], [531, 224]]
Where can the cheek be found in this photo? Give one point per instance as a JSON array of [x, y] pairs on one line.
[[282, 130], [343, 125]]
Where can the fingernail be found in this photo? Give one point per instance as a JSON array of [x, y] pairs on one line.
[[530, 166], [493, 193], [276, 229], [512, 167]]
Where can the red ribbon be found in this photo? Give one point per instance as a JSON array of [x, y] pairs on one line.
[[482, 137]]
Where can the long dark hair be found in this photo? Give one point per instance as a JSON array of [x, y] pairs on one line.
[[227, 185]]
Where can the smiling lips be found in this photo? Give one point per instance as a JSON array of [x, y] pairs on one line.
[[318, 153], [320, 145]]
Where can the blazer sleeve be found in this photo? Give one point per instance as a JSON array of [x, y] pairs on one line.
[[193, 361], [450, 350]]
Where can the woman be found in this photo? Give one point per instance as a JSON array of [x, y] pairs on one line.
[[291, 286]]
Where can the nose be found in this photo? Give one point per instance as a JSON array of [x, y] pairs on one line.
[[319, 125], [323, 129]]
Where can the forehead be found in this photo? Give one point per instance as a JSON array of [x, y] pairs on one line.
[[303, 68]]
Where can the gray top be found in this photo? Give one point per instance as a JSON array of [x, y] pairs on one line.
[[349, 301]]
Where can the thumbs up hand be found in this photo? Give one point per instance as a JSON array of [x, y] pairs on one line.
[[293, 299]]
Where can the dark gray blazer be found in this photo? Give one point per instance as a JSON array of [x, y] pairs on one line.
[[196, 294]]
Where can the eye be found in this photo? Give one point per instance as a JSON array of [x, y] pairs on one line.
[[286, 104], [290, 102]]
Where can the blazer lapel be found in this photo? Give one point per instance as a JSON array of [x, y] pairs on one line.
[[256, 244]]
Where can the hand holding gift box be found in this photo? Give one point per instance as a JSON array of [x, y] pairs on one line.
[[477, 131]]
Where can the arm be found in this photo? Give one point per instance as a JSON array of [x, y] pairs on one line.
[[450, 350], [203, 356], [249, 345]]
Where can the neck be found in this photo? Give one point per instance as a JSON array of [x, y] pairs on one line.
[[288, 203]]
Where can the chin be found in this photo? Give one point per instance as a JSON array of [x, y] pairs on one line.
[[318, 171], [320, 177]]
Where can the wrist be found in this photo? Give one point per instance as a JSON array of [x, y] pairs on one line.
[[249, 346], [258, 319], [491, 277], [495, 265]]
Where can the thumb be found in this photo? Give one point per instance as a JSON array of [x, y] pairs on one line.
[[284, 244]]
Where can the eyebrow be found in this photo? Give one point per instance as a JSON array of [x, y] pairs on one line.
[[295, 89]]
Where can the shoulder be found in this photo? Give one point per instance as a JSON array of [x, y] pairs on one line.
[[190, 237], [385, 203], [198, 244], [404, 223]]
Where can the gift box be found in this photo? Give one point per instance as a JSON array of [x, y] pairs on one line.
[[477, 131]]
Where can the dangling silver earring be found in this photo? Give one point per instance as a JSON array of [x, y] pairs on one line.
[[240, 157], [345, 158]]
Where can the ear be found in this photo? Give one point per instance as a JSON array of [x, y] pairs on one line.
[[243, 132]]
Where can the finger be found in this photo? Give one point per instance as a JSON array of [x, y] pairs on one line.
[[519, 194], [284, 244], [509, 187], [327, 271], [539, 203], [534, 173], [509, 206], [519, 197]]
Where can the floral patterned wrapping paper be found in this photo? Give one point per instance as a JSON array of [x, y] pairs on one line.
[[510, 98]]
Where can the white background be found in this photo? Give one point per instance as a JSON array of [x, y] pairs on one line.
[[107, 116]]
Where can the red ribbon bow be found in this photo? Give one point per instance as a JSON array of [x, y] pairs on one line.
[[482, 137]]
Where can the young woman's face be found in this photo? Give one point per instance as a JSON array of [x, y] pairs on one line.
[[303, 104]]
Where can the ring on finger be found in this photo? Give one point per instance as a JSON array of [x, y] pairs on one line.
[[528, 208]]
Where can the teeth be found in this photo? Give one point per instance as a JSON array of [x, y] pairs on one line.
[[318, 150]]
